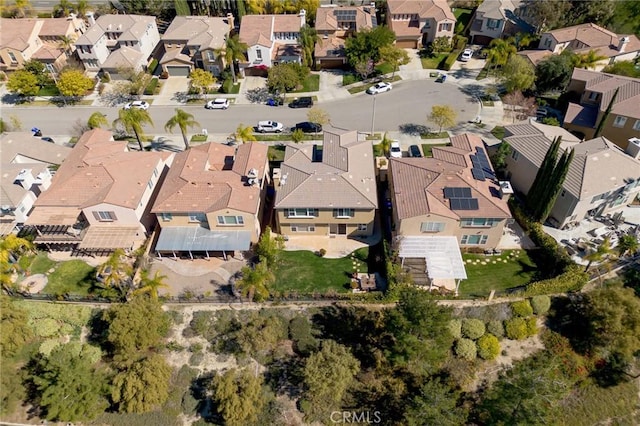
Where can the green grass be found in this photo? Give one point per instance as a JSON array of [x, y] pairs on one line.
[[384, 68], [364, 87], [286, 137], [40, 264], [432, 63], [310, 84], [441, 135], [199, 138], [481, 279], [48, 91], [591, 404], [306, 272], [463, 15], [276, 153], [498, 132], [484, 73], [426, 148], [73, 277]]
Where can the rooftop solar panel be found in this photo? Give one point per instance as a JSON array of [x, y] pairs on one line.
[[477, 173], [455, 192], [464, 203]]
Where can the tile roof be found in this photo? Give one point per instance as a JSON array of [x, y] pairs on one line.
[[124, 57], [419, 184], [532, 127], [12, 193], [131, 27], [201, 31], [175, 54], [56, 27], [345, 178], [48, 52], [207, 178], [581, 115], [328, 46], [532, 140], [16, 33], [437, 9], [259, 29], [594, 37], [496, 9], [23, 147], [628, 99], [326, 20], [535, 56]]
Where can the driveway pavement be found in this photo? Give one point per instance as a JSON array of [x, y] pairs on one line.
[[170, 87]]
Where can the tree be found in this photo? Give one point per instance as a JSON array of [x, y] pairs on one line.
[[520, 105], [233, 51], [66, 43], [548, 14], [499, 52], [183, 120], [588, 60], [254, 282], [74, 83], [601, 252], [238, 396], [499, 158], [201, 80], [488, 347], [62, 9], [606, 114], [132, 120], [245, 133], [394, 56], [441, 45], [283, 78], [115, 273], [541, 182], [628, 244], [149, 285], [560, 171], [136, 81], [365, 45], [436, 403], [308, 39], [327, 375], [142, 386], [81, 8], [554, 72], [23, 83], [38, 69], [14, 329], [11, 248], [442, 116], [269, 247], [624, 68], [518, 74], [598, 12], [97, 120], [364, 68], [318, 115]]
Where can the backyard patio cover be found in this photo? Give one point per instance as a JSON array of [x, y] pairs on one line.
[[441, 253], [197, 238], [110, 237]]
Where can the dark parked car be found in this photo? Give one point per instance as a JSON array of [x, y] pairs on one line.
[[304, 102], [308, 127], [48, 139], [414, 151]]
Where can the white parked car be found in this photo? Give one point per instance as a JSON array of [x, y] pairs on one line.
[[269, 126], [395, 151], [137, 105], [379, 88], [466, 55], [220, 103]]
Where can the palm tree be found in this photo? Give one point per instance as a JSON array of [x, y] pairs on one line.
[[115, 273], [22, 8], [81, 8], [603, 250], [150, 285], [11, 248], [587, 60], [628, 244], [183, 120], [62, 9], [66, 43], [499, 52], [132, 120], [254, 281], [244, 133], [97, 120], [233, 51]]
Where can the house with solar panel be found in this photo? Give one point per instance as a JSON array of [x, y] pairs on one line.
[[444, 203]]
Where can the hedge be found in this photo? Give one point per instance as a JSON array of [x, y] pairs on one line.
[[227, 86], [451, 59], [488, 347], [522, 308], [516, 328], [473, 328], [151, 69], [532, 326], [540, 304], [572, 280], [466, 348], [151, 87]]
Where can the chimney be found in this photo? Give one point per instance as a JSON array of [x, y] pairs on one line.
[[303, 17], [72, 16], [276, 177], [230, 21], [25, 179], [623, 44], [633, 149], [90, 18], [505, 190]]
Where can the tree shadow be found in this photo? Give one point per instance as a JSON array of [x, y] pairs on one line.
[[164, 144], [463, 73], [13, 99], [473, 90], [414, 129]]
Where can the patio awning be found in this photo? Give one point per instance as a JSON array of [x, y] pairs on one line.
[[442, 254], [110, 237], [197, 238], [47, 215]]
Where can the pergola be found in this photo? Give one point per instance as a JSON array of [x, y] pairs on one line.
[[175, 239]]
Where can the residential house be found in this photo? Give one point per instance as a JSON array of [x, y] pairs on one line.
[[37, 38], [192, 41], [28, 164], [100, 196], [593, 92], [212, 200], [497, 19], [601, 177], [417, 23], [116, 42], [327, 190], [271, 39], [333, 26]]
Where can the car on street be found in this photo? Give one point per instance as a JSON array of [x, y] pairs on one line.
[[414, 151], [137, 105], [307, 127], [48, 139], [303, 102], [269, 126], [395, 151], [379, 88], [466, 55], [219, 103]]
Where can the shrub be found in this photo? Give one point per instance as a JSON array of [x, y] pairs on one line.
[[532, 326], [301, 333], [488, 347], [151, 87], [516, 328], [522, 308], [46, 327], [322, 252], [451, 59], [48, 346], [466, 348], [196, 358], [496, 328], [540, 304], [455, 328], [472, 328], [571, 280], [152, 66], [227, 86]]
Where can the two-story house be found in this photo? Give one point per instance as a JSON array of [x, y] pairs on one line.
[[28, 164], [596, 91], [271, 39], [417, 23], [333, 26], [116, 42], [601, 178], [100, 196], [212, 200], [496, 19], [329, 189], [192, 41], [40, 39]]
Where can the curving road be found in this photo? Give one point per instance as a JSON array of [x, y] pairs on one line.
[[407, 104]]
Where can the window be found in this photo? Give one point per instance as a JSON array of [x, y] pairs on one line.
[[473, 239], [150, 184], [431, 226], [155, 172], [362, 227], [197, 217], [14, 60], [342, 213], [302, 212], [259, 54], [210, 56], [599, 197], [493, 24], [105, 216], [230, 220], [479, 222], [593, 96], [563, 193], [514, 154], [303, 228], [619, 121], [636, 125], [547, 43], [444, 27], [167, 217]]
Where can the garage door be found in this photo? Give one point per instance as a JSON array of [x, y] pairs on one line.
[[332, 63], [407, 44], [179, 71]]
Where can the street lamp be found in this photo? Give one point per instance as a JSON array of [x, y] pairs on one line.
[[373, 115]]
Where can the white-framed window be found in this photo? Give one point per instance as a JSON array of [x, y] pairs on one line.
[[342, 213], [155, 172], [619, 121], [302, 212], [14, 60], [363, 227], [636, 125], [473, 240], [479, 222], [197, 217], [493, 23], [303, 228], [166, 217], [515, 155], [547, 43], [230, 220], [432, 226], [150, 184], [259, 54], [105, 216], [444, 27], [210, 56]]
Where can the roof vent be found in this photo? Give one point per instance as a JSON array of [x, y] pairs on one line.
[[253, 173], [283, 180]]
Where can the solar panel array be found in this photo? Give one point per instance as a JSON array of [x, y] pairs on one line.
[[481, 167], [450, 192], [464, 203]]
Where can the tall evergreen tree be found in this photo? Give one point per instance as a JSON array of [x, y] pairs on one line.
[[606, 114], [555, 186], [541, 181]]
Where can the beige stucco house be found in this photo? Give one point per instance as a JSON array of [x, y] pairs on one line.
[[99, 197], [498, 18], [212, 200], [327, 190], [419, 22]]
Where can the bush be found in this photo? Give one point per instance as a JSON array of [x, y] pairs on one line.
[[571, 280], [472, 328], [460, 42], [532, 326], [301, 333], [196, 358], [540, 304], [46, 327], [48, 346], [522, 308], [496, 328], [488, 347], [152, 66], [516, 328], [451, 59], [455, 328], [227, 86], [466, 348], [151, 87]]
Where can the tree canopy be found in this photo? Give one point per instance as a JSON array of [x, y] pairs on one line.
[[142, 386], [518, 74], [238, 396], [285, 77], [14, 328], [365, 45], [442, 116], [23, 83], [201, 80], [74, 83]]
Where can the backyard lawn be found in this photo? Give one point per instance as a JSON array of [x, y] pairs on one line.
[[306, 272], [310, 84], [463, 16], [517, 271], [73, 277]]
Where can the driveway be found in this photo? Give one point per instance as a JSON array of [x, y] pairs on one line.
[[170, 87]]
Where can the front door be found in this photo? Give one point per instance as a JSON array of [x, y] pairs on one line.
[[338, 229]]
